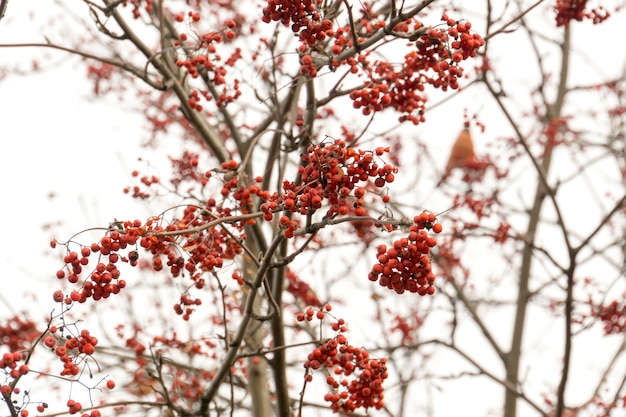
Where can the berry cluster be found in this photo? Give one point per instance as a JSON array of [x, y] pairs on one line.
[[18, 334], [137, 192], [373, 99], [10, 367], [10, 361], [138, 6], [614, 317], [207, 62], [101, 73], [303, 16], [186, 301], [184, 384], [75, 407], [568, 10], [301, 290], [406, 327], [441, 50], [186, 168], [207, 249], [104, 279], [406, 266], [330, 172], [438, 51], [356, 380], [70, 348]]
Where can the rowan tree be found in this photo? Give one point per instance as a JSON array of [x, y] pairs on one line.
[[311, 249]]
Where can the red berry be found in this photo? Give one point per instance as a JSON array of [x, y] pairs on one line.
[[88, 349], [50, 341]]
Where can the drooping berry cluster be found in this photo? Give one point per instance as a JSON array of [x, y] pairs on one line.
[[438, 51], [356, 380], [101, 73], [207, 248], [71, 350], [104, 279], [10, 365], [613, 316], [568, 10], [406, 266], [139, 6], [303, 16], [205, 61], [182, 384], [406, 327], [301, 290], [329, 174], [18, 334]]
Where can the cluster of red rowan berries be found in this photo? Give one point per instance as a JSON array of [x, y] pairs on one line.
[[185, 168], [331, 172], [613, 316], [371, 99], [18, 334], [407, 327], [302, 15], [186, 301], [208, 62], [104, 279], [70, 349], [438, 51], [137, 192], [138, 6], [464, 42], [73, 407], [10, 364], [406, 266], [568, 10], [310, 313], [441, 50], [301, 290], [400, 89], [101, 73], [207, 250], [355, 379]]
